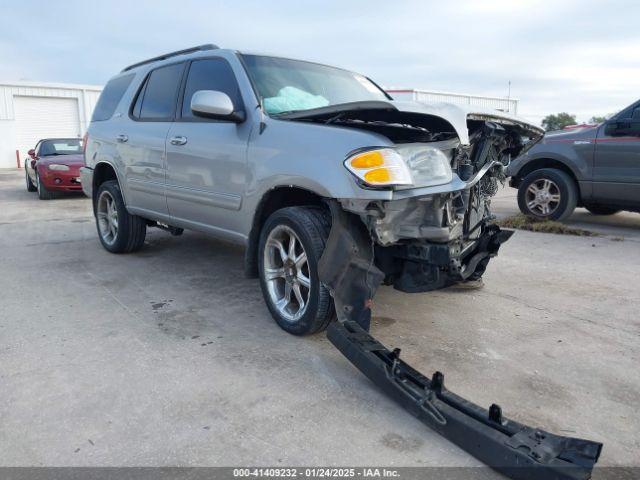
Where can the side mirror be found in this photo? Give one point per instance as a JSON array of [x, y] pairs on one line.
[[32, 153], [214, 104], [624, 126]]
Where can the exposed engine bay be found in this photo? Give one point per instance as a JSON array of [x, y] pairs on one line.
[[437, 235], [429, 238]]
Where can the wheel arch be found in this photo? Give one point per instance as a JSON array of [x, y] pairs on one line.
[[540, 163], [274, 199], [102, 172]]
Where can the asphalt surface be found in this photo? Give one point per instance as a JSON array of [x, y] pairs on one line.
[[169, 356]]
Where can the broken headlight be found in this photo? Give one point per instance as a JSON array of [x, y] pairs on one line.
[[407, 165]]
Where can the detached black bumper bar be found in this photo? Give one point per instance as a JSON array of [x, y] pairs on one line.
[[518, 451]]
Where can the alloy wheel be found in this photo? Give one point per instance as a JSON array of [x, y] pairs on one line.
[[543, 197], [286, 271], [107, 214]]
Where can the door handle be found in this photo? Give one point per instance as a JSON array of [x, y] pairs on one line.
[[122, 138], [179, 140]]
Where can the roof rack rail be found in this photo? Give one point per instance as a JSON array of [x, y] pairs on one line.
[[208, 46]]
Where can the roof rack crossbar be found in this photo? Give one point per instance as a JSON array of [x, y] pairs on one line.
[[208, 46]]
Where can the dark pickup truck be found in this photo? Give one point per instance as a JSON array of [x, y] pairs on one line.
[[596, 167]]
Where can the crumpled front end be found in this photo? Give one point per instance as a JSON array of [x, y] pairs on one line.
[[423, 220], [429, 238]]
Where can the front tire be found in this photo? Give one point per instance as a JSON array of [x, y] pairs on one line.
[[548, 194], [602, 210], [118, 230], [292, 241], [30, 186], [43, 193]]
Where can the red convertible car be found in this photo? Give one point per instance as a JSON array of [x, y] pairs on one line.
[[54, 166]]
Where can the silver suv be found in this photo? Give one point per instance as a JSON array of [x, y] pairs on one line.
[[332, 187]]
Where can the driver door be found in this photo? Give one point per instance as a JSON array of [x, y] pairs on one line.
[[616, 172], [207, 159]]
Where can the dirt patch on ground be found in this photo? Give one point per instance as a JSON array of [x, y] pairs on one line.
[[522, 222]]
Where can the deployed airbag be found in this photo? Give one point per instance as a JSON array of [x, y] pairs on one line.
[[291, 99]]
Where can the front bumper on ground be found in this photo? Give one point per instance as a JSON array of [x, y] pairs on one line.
[[352, 270], [517, 450]]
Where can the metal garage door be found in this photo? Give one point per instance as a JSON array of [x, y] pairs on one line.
[[44, 117]]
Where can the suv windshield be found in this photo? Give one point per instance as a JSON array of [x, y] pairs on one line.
[[71, 146], [286, 85]]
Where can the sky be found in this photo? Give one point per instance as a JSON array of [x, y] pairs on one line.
[[582, 57]]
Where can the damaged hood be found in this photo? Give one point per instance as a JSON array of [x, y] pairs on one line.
[[436, 116], [457, 116]]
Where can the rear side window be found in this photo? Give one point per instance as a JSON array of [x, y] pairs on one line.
[[157, 98], [110, 97], [210, 74]]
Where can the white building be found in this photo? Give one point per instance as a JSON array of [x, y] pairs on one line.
[[503, 104], [30, 111]]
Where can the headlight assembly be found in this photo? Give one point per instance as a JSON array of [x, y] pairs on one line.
[[409, 165], [58, 168], [379, 168]]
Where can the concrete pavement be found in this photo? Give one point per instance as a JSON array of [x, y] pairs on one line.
[[622, 225], [169, 356]]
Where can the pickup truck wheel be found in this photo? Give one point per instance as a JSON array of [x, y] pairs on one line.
[[118, 230], [291, 243], [548, 194], [602, 210], [30, 186]]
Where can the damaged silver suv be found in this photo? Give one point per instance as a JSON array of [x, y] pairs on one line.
[[333, 187]]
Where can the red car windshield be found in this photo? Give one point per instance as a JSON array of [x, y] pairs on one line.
[[61, 147]]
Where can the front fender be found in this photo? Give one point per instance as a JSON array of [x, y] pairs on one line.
[[309, 156], [575, 152], [519, 167]]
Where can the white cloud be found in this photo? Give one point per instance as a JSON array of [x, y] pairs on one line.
[[575, 56]]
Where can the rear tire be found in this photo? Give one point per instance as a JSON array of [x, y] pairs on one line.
[[118, 230], [294, 269], [602, 210], [548, 194], [43, 193]]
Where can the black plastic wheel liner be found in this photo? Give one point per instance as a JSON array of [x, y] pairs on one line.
[[514, 449]]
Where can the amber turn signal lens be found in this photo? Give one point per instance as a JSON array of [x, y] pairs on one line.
[[379, 175], [368, 160]]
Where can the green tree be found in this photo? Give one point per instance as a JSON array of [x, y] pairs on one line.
[[597, 119], [558, 122]]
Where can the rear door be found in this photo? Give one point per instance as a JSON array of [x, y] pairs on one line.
[[141, 144], [206, 159], [616, 173]]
